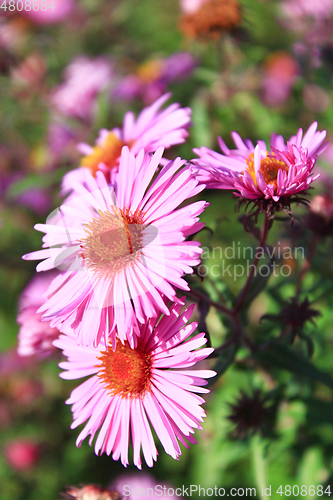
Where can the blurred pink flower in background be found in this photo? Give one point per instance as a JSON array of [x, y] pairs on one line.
[[281, 73], [13, 33], [151, 129], [152, 78], [30, 72], [256, 172], [21, 454], [85, 79], [143, 485], [35, 337], [11, 362], [190, 6], [59, 137], [300, 9], [130, 390], [61, 10]]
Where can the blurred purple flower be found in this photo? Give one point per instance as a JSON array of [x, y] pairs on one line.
[[85, 79], [37, 199], [299, 10], [313, 20], [59, 137], [153, 77]]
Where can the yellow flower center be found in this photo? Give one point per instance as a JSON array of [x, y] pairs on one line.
[[125, 372], [269, 168], [113, 241], [150, 70], [108, 154]]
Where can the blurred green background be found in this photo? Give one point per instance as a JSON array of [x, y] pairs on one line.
[[235, 84]]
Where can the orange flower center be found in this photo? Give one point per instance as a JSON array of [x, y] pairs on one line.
[[150, 70], [269, 168], [125, 372], [108, 154], [113, 240]]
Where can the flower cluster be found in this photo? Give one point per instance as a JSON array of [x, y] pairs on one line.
[[116, 252], [118, 249]]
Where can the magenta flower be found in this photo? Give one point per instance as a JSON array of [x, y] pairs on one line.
[[130, 390], [35, 337], [122, 248], [85, 79], [152, 128], [255, 172]]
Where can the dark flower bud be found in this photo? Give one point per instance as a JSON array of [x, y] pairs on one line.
[[252, 414], [295, 314]]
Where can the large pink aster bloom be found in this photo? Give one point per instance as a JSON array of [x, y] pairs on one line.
[[256, 172], [122, 247], [35, 337], [132, 390], [152, 128]]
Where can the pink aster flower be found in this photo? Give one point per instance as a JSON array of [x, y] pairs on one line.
[[122, 247], [35, 337], [256, 172], [152, 128], [132, 390], [85, 79]]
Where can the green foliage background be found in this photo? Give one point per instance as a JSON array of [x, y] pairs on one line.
[[299, 448]]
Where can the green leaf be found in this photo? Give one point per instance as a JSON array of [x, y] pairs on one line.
[[29, 182], [201, 130], [319, 412], [283, 358], [258, 284], [224, 361]]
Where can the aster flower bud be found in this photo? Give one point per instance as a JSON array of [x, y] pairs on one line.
[[252, 414], [295, 314]]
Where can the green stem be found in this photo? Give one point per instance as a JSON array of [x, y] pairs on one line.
[[259, 466]]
